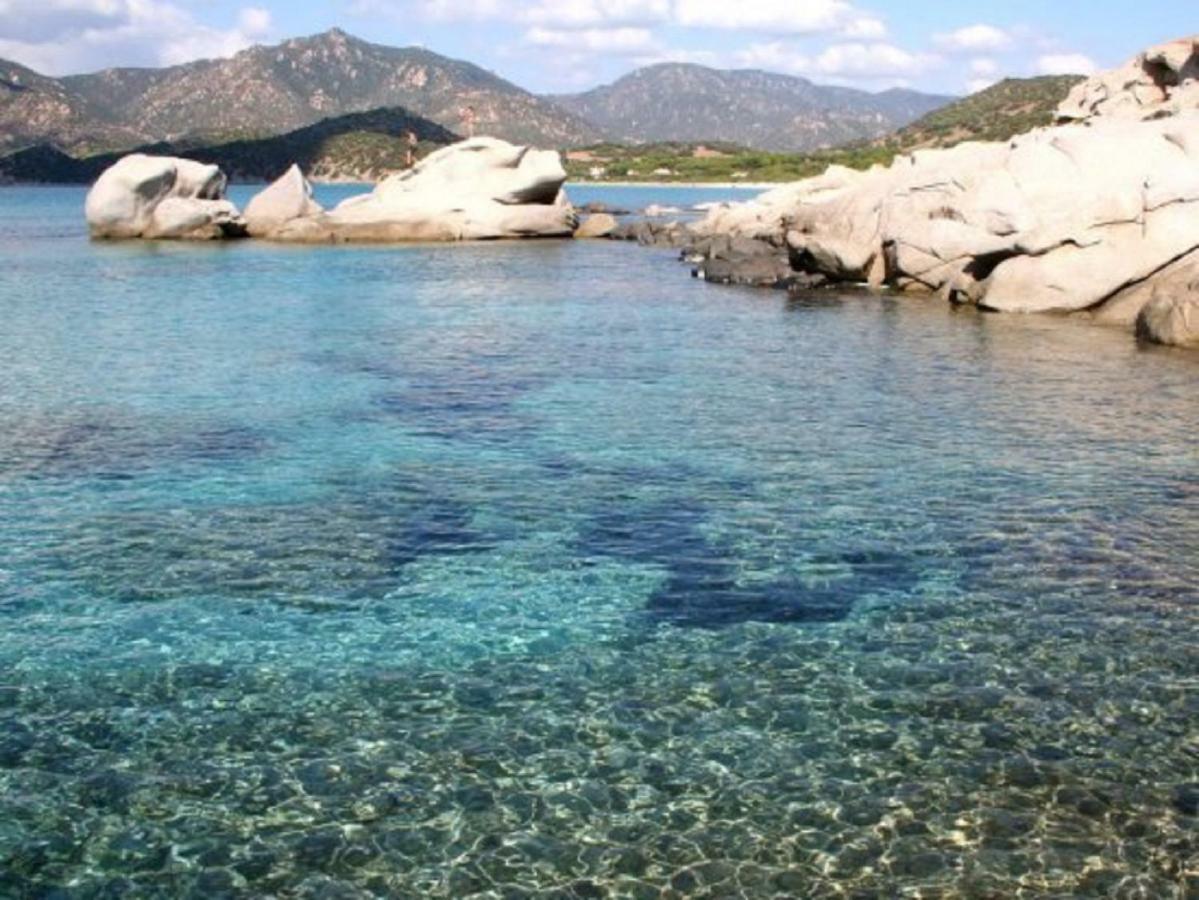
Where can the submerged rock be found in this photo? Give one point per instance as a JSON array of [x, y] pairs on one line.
[[750, 271], [161, 197]]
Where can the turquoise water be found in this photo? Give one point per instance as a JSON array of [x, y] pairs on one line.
[[541, 570]]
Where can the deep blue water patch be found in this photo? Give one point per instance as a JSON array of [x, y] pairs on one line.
[[341, 548]]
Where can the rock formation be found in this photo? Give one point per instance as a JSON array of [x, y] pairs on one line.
[[163, 198], [1172, 314], [1084, 217], [1162, 81], [597, 225], [479, 189], [288, 198]]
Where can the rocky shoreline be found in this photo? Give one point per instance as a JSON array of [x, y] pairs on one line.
[[1096, 217]]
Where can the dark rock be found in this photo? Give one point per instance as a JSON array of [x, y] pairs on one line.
[[134, 851], [806, 281], [739, 247], [750, 271], [1186, 799], [108, 790], [595, 208]]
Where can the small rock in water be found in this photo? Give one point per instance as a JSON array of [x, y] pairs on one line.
[[1186, 799]]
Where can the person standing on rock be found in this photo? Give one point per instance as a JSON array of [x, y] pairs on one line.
[[467, 114], [410, 149]]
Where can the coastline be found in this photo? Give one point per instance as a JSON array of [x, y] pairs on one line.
[[654, 185], [715, 185]]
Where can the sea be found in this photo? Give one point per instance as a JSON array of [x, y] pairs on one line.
[[543, 570]]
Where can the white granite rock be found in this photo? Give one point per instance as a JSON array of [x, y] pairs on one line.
[[290, 197], [1074, 218], [480, 189], [1162, 81], [143, 196]]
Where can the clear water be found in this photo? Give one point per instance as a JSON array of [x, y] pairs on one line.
[[542, 570]]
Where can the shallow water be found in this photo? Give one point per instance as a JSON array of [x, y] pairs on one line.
[[541, 570]]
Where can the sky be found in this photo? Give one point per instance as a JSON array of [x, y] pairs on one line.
[[569, 45]]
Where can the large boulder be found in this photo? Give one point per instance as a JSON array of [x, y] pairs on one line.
[[161, 197], [597, 225], [479, 189], [288, 198], [1172, 314], [1162, 81], [1080, 218]]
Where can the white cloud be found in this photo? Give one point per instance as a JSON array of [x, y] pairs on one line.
[[32, 21], [872, 64], [974, 38], [872, 61], [606, 41], [254, 21], [593, 13], [66, 36], [439, 10], [775, 56], [545, 13], [681, 55], [775, 16], [1066, 64], [865, 28], [974, 85]]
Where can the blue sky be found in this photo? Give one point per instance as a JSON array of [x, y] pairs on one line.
[[565, 45]]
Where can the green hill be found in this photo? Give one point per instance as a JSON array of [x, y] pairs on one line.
[[357, 147], [999, 113]]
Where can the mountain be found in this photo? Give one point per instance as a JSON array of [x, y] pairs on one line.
[[678, 102], [1000, 112], [36, 109], [271, 90], [358, 146]]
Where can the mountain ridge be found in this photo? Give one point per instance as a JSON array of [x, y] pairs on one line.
[[278, 88], [274, 89], [761, 109]]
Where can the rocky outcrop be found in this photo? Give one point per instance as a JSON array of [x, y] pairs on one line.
[[480, 189], [161, 198], [1162, 81], [597, 225], [1076, 218], [1172, 314], [287, 199]]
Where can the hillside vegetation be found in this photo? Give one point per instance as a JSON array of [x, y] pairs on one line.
[[367, 146], [357, 147], [998, 113]]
